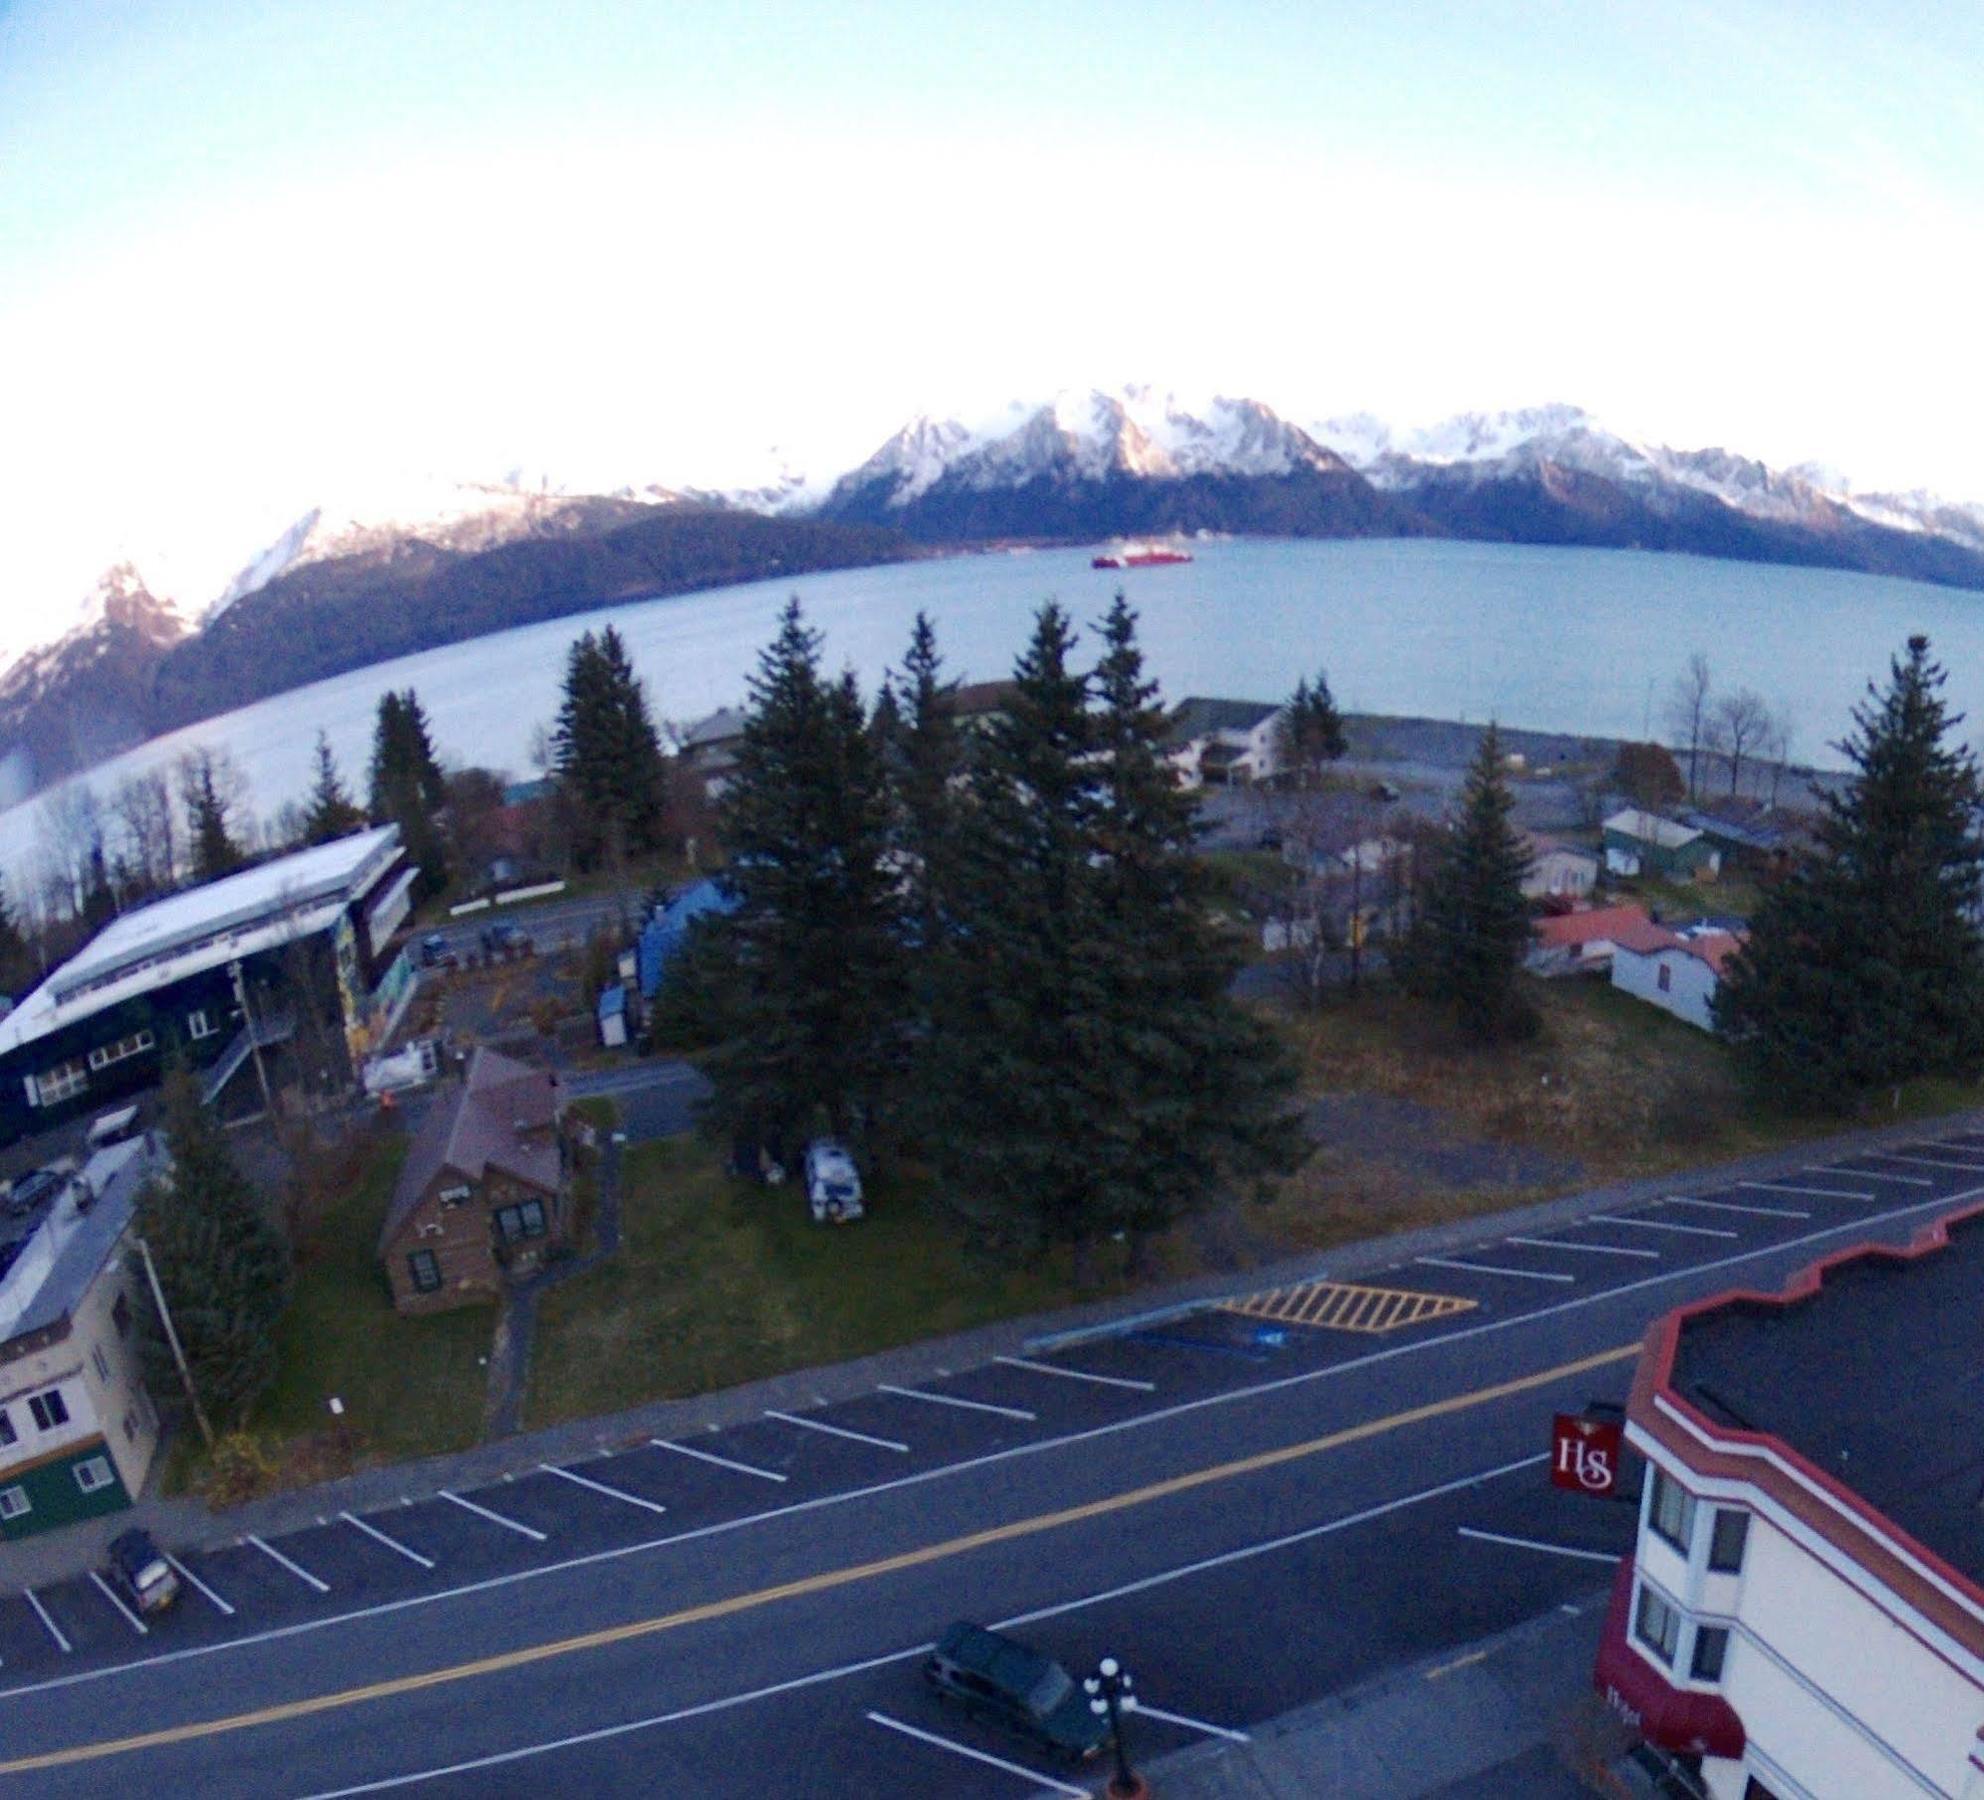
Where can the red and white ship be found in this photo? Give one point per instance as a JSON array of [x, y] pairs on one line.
[[1140, 554]]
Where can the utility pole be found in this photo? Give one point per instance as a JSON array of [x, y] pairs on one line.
[[172, 1338], [254, 1037]]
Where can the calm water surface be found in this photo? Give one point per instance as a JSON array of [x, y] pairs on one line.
[[1568, 640]]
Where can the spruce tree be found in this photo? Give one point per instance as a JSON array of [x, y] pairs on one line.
[[926, 761], [16, 960], [1022, 1012], [1472, 929], [607, 753], [1311, 730], [813, 1009], [221, 1260], [1863, 967], [214, 850], [330, 813], [405, 787]]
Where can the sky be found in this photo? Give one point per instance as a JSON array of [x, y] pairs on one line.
[[256, 258]]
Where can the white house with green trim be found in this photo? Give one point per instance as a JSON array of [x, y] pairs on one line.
[[78, 1430]]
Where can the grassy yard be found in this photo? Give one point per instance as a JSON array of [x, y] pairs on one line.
[[410, 1387], [721, 1282], [1732, 896]]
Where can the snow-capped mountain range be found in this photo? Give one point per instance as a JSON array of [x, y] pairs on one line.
[[439, 558]]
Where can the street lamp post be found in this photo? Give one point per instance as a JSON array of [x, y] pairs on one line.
[[1111, 1695]]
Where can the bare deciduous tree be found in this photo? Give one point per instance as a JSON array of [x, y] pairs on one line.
[[1688, 716], [1777, 746], [142, 804], [1743, 722]]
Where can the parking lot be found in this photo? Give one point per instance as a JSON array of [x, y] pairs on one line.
[[1515, 1543]]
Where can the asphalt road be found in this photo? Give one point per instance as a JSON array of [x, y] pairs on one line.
[[553, 925], [1250, 1513]]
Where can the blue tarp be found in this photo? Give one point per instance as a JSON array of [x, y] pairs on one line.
[[663, 935]]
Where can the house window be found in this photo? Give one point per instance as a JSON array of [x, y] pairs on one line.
[[198, 1025], [134, 1045], [1711, 1646], [14, 1502], [120, 1314], [8, 1435], [1726, 1544], [424, 1267], [515, 1223], [49, 1409], [62, 1082], [99, 1363], [454, 1196], [1757, 1791], [1657, 1625], [1664, 979], [1671, 1511], [94, 1474], [130, 1428]]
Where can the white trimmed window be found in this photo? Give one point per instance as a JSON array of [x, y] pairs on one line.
[[100, 1363], [63, 1082], [49, 1409], [1670, 1512], [456, 1195], [423, 1267], [1657, 1625], [94, 1474], [1727, 1541], [1711, 1648], [14, 1503], [8, 1435], [134, 1045], [198, 1025]]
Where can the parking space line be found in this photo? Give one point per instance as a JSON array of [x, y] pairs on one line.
[[1714, 1231], [1929, 1162], [982, 1756], [1530, 1243], [1004, 1412], [1041, 1368], [495, 1518], [54, 1630], [600, 1487], [1444, 1262], [840, 1431], [1949, 1148], [1730, 1206], [1786, 1187], [1882, 1174], [1522, 1543], [297, 1569], [372, 1531], [193, 1580], [110, 1593], [722, 1462], [1227, 1732]]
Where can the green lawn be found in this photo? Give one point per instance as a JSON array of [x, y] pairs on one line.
[[410, 1386], [721, 1282]]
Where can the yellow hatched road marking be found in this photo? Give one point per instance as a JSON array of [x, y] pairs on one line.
[[1348, 1306]]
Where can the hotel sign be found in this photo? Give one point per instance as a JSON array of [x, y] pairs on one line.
[[1584, 1453]]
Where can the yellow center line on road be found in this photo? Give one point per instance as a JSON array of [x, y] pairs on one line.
[[814, 1584]]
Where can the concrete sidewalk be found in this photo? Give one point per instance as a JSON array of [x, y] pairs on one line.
[[1498, 1720]]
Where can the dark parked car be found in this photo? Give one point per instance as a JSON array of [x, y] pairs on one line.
[[506, 940], [31, 1190], [997, 1677], [437, 953], [143, 1576]]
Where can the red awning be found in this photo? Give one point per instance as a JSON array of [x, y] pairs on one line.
[[1673, 1718]]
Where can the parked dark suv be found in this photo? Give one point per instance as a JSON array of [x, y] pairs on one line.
[[145, 1577], [996, 1677]]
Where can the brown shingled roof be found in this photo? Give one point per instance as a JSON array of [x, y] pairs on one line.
[[482, 1125]]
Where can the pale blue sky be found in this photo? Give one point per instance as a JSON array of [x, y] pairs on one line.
[[253, 253]]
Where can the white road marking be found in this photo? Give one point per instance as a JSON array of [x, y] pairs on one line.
[[1882, 1174], [1947, 1147], [1041, 1368], [1589, 1249], [372, 1531], [1447, 1262], [1522, 1543], [840, 1431], [600, 1487], [1004, 1412], [1728, 1206], [54, 1630], [1039, 1780], [1929, 1162], [722, 1462], [1787, 1187], [495, 1518], [1714, 1231], [188, 1575], [109, 1593], [1857, 1225], [296, 1569], [1145, 1709]]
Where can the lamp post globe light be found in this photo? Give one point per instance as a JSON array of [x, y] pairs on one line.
[[1112, 1694]]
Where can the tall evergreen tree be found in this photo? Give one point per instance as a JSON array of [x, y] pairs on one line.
[[1863, 967], [16, 959], [330, 813], [607, 753], [405, 787], [222, 1262], [203, 792], [1472, 929], [813, 1008], [1311, 730], [926, 760]]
